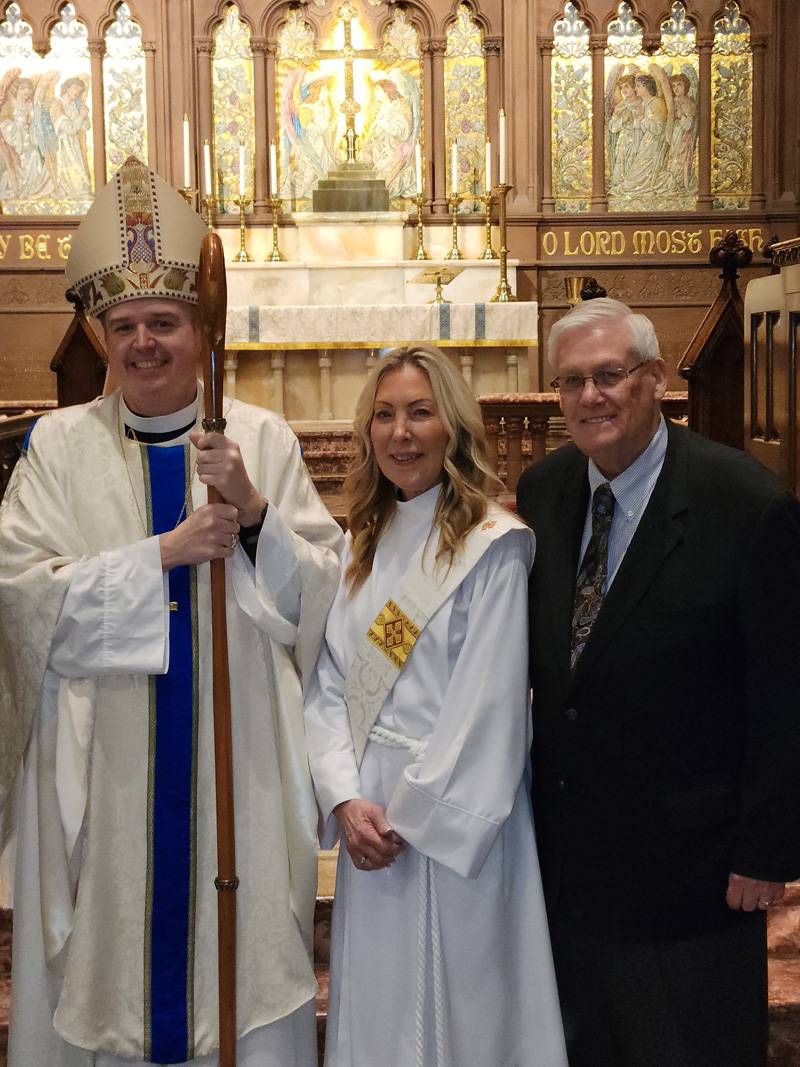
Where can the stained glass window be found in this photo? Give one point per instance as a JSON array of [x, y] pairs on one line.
[[731, 111], [124, 93], [571, 125], [233, 109], [46, 164], [465, 104]]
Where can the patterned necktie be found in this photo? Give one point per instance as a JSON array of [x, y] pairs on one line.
[[593, 572]]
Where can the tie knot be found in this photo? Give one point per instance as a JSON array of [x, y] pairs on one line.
[[602, 501]]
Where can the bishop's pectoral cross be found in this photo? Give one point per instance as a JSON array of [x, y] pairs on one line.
[[349, 107]]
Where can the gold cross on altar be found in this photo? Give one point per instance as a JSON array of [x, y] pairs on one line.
[[349, 107]]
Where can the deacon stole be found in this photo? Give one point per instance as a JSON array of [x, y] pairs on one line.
[[171, 786]]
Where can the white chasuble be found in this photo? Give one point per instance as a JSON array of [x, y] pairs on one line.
[[115, 906], [443, 959]]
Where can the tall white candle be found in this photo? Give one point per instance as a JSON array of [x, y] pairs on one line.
[[242, 182], [207, 167], [418, 167], [454, 168], [502, 132], [187, 168], [488, 172], [273, 169]]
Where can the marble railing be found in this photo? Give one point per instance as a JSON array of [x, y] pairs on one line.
[[521, 428]]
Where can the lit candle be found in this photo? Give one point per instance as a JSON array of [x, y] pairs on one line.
[[502, 131], [418, 166], [454, 168], [242, 182], [207, 167], [488, 173], [273, 169], [187, 169]]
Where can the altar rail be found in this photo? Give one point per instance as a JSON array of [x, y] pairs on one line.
[[521, 429]]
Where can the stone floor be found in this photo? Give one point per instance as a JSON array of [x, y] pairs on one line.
[[784, 972]]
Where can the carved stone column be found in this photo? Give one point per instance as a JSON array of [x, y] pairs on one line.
[[523, 103], [97, 49], [512, 371], [230, 366], [272, 96], [467, 362], [758, 198], [492, 47], [438, 147], [704, 198], [153, 152], [325, 406], [546, 67], [205, 48], [261, 189], [599, 199], [429, 110], [278, 362], [370, 359]]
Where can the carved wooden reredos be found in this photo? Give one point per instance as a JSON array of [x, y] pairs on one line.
[[571, 75]]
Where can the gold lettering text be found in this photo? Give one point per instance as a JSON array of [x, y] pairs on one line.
[[663, 242], [678, 242], [27, 246], [617, 242], [64, 246], [714, 235], [567, 250], [603, 243], [755, 239], [4, 241], [42, 242], [587, 243], [549, 243], [693, 241], [643, 242]]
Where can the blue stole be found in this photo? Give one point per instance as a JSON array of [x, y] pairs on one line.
[[171, 788]]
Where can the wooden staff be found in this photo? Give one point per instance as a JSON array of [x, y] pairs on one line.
[[213, 298]]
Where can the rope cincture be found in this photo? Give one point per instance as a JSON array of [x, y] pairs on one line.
[[427, 909]]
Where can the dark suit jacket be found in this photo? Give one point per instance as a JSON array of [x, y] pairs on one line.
[[672, 755]]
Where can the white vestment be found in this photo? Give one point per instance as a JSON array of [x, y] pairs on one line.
[[443, 959], [84, 638]]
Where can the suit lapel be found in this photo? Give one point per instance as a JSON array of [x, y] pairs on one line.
[[659, 531], [563, 567]]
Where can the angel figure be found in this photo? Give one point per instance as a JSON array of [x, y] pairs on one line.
[[27, 139], [393, 127], [684, 133], [308, 121], [71, 120], [624, 110], [645, 172]]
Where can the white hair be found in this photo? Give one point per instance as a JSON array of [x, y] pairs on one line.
[[600, 313]]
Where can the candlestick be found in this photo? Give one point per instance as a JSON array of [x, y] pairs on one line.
[[454, 169], [207, 186], [242, 181], [503, 294], [420, 251], [455, 252], [418, 168], [187, 167], [487, 170], [209, 207], [273, 169], [502, 137], [488, 252], [275, 256], [242, 255]]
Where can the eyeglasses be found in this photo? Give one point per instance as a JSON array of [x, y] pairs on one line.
[[604, 381]]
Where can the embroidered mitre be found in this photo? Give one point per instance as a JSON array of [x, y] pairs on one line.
[[138, 239]]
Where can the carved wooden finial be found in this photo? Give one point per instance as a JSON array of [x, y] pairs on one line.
[[730, 253]]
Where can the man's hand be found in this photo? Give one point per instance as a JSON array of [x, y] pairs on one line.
[[219, 463], [747, 894], [209, 533], [369, 839]]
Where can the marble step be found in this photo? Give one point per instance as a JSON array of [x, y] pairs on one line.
[[784, 974]]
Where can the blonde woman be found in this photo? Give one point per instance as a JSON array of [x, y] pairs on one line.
[[418, 729]]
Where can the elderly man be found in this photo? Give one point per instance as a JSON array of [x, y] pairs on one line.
[[665, 671], [105, 694]]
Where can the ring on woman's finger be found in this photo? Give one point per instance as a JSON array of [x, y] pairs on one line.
[[234, 540], [363, 861]]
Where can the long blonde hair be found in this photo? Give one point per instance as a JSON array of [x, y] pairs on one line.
[[467, 475]]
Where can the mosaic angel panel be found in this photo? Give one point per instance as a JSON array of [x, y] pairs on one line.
[[571, 125], [46, 164], [233, 108], [465, 105], [124, 93], [318, 85], [731, 112], [651, 116]]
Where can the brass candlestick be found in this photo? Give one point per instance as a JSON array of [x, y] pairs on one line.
[[188, 194], [420, 253], [488, 252], [210, 207], [455, 252], [275, 256], [503, 294], [242, 255]]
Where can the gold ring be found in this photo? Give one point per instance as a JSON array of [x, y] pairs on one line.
[[363, 861], [234, 539]]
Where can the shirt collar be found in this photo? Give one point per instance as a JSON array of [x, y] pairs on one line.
[[627, 487], [176, 420]]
